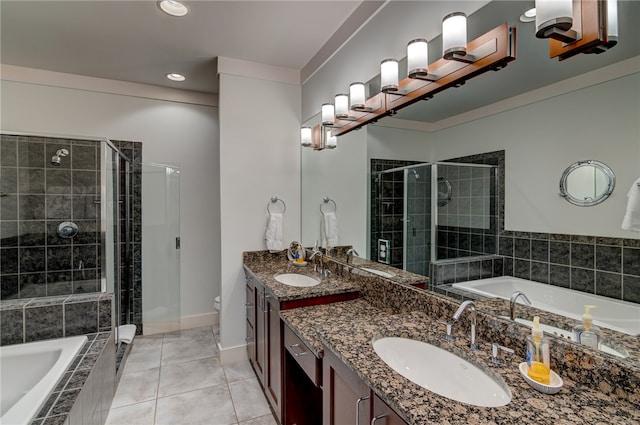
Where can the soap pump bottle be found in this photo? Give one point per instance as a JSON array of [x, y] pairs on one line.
[[538, 354], [587, 333]]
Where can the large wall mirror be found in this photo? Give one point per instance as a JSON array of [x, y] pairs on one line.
[[541, 133]]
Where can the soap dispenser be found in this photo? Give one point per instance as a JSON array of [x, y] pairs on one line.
[[587, 333], [538, 354]]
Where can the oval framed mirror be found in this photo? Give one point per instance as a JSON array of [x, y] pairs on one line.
[[587, 183], [444, 191]]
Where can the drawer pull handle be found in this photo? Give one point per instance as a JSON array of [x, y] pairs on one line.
[[248, 340], [293, 351], [374, 420], [358, 401], [248, 305]]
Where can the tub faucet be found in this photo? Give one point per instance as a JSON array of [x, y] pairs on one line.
[[350, 253], [470, 305], [512, 303]]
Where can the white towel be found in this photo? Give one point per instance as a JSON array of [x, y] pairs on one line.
[[329, 229], [126, 333], [631, 220], [273, 235]]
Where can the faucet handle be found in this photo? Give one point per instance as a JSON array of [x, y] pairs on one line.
[[449, 325], [495, 351]]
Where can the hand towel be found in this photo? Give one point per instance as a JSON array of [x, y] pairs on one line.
[[126, 333], [329, 228], [273, 234], [631, 220]]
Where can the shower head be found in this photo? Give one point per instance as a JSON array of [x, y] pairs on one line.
[[415, 173], [57, 158]]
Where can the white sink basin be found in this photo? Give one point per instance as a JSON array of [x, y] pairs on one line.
[[617, 351], [442, 372], [294, 279]]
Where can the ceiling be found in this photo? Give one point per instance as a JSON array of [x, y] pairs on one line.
[[135, 41]]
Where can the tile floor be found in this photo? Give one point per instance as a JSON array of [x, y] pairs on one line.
[[176, 378]]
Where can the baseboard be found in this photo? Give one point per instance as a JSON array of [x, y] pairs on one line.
[[199, 320], [232, 354]]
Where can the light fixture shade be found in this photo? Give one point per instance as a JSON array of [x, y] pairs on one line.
[[305, 136], [331, 142], [173, 7], [454, 35], [342, 106], [417, 57], [389, 75], [356, 96], [553, 14], [328, 114], [612, 20]]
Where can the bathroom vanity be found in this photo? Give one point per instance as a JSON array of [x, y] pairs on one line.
[[312, 350]]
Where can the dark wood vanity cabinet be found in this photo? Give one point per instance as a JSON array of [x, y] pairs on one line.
[[264, 342], [348, 400]]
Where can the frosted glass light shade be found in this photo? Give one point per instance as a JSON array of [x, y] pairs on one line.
[[417, 57], [356, 96], [342, 106], [553, 14], [454, 35], [331, 141], [305, 136], [328, 114], [389, 75]]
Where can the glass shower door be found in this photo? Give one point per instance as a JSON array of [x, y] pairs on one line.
[[417, 219], [160, 247]]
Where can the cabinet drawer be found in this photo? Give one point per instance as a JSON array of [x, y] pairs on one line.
[[249, 304], [303, 356]]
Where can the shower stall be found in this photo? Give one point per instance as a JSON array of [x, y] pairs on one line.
[[426, 212]]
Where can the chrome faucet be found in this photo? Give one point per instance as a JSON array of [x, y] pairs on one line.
[[317, 253], [470, 305], [512, 303], [350, 253]]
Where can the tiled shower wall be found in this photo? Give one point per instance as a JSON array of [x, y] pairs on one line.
[[35, 198]]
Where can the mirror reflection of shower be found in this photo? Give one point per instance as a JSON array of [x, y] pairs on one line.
[[57, 158]]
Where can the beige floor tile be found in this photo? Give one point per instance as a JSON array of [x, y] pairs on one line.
[[262, 420], [141, 358], [208, 406], [239, 370], [179, 351], [194, 334], [135, 387], [188, 376], [248, 399], [134, 414]]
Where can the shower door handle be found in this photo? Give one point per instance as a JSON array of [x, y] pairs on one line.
[[177, 242]]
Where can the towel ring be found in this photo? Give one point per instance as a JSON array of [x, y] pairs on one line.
[[275, 199], [326, 201]]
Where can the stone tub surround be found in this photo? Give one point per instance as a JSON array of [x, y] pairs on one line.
[[575, 404], [84, 393], [28, 320]]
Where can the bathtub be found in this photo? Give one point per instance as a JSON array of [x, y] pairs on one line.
[[621, 316], [30, 372]]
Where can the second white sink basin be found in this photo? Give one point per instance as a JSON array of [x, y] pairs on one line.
[[294, 279], [359, 271], [442, 372]]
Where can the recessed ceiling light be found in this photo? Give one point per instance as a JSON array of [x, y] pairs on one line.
[[529, 15], [173, 7], [176, 77]]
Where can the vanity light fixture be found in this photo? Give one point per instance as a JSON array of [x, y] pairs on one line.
[[528, 15], [328, 114], [305, 137], [342, 106], [331, 142], [357, 97], [612, 29], [554, 19], [389, 75], [173, 7], [454, 38], [418, 60], [174, 76]]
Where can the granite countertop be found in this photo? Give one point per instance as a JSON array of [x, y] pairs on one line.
[[351, 340], [399, 275], [304, 320], [265, 266]]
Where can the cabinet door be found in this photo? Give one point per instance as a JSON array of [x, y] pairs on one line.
[[251, 321], [261, 342], [346, 399], [384, 415], [273, 373]]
